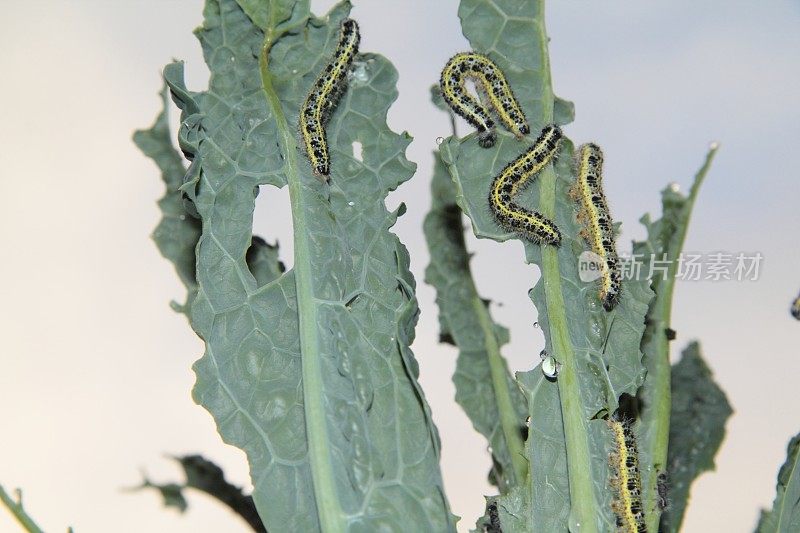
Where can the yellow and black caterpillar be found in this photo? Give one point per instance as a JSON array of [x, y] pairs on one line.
[[598, 229], [514, 177], [492, 83], [626, 479], [323, 97]]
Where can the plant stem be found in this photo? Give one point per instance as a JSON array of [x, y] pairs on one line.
[[19, 513], [584, 509], [657, 391], [505, 407], [331, 516]]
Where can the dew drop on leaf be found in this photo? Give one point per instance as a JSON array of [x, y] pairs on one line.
[[550, 367], [360, 72]]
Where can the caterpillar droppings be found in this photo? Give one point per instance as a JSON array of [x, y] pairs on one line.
[[323, 97], [795, 310], [513, 178], [626, 480], [593, 213], [662, 490], [493, 526], [491, 83]]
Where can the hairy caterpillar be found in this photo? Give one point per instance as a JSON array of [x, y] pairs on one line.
[[796, 308], [323, 97], [492, 84], [598, 228], [512, 179], [625, 480]]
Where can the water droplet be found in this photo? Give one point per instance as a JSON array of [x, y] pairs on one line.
[[182, 217], [439, 140], [550, 367], [528, 422], [351, 204], [360, 72], [543, 355], [536, 325], [294, 71], [674, 187]]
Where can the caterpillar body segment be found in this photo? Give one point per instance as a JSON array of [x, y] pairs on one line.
[[531, 225], [324, 95], [538, 156], [493, 85], [598, 227], [795, 309], [626, 479]]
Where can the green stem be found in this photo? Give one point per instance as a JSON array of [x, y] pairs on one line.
[[331, 516], [584, 508], [505, 406], [19, 513], [658, 394]]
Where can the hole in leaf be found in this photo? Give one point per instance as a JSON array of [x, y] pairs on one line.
[[358, 151]]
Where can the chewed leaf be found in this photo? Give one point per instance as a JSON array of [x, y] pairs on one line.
[[599, 349], [484, 387], [784, 517], [697, 427], [308, 371]]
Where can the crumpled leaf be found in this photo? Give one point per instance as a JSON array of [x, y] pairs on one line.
[[484, 387], [697, 427], [309, 373], [599, 350], [177, 233], [785, 514]]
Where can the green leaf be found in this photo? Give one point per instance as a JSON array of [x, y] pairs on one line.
[[171, 494], [311, 373], [599, 351], [665, 238], [276, 15], [178, 231], [205, 476], [785, 514], [484, 387], [699, 412], [263, 261]]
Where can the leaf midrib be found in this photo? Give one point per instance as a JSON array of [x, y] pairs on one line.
[[331, 517]]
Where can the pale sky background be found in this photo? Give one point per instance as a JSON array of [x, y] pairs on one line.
[[95, 372]]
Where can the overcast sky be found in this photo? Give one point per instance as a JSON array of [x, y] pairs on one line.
[[96, 377]]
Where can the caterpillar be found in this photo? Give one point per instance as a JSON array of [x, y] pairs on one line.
[[323, 97], [491, 83], [593, 213], [513, 178], [795, 310], [625, 480]]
